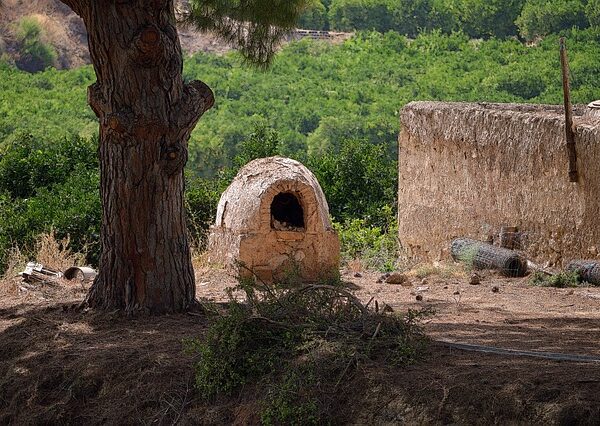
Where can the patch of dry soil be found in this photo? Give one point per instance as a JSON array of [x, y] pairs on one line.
[[59, 364]]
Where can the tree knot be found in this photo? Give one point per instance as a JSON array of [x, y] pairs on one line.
[[149, 46], [174, 157]]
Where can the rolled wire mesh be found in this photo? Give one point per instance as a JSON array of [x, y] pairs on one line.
[[482, 255], [589, 270]]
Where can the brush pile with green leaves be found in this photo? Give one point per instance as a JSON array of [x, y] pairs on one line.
[[301, 347], [563, 279]]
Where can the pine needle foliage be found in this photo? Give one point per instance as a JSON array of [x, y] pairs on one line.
[[254, 27]]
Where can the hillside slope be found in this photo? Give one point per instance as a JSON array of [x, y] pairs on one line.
[[64, 31]]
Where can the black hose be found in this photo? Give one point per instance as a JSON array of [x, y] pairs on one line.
[[515, 352]]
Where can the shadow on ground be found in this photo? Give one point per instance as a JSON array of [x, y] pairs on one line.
[[59, 365]]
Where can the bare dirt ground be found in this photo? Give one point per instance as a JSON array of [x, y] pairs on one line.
[[59, 364]]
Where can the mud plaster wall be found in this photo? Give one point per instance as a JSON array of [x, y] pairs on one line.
[[467, 169]]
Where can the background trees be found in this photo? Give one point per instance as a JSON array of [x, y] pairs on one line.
[[540, 18], [333, 107], [477, 18]]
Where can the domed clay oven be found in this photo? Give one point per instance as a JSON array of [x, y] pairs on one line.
[[272, 218]]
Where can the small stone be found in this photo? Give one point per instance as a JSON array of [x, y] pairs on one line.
[[396, 278], [456, 293], [495, 289], [445, 287], [419, 297], [357, 275], [475, 279]]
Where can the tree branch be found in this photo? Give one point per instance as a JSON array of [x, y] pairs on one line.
[[255, 27], [196, 100]]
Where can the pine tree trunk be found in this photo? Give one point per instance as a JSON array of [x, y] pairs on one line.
[[146, 114]]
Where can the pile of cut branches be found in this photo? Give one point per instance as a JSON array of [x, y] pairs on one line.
[[303, 345]]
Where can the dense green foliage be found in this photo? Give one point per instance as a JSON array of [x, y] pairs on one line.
[[592, 11], [315, 16], [333, 107], [49, 184], [375, 246], [360, 180], [317, 95], [476, 18], [540, 17], [48, 105]]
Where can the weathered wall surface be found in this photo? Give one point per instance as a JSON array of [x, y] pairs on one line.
[[244, 231], [468, 169]]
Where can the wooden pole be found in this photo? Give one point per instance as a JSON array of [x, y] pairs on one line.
[[569, 134]]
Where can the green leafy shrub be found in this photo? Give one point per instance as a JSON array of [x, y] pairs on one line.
[[377, 248], [49, 185], [237, 350], [34, 54], [301, 344], [487, 18], [70, 209], [542, 17], [359, 181], [262, 142], [29, 163], [201, 199], [560, 280], [293, 400]]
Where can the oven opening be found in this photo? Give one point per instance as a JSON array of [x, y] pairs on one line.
[[287, 213]]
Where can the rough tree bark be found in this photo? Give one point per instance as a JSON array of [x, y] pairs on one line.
[[146, 115]]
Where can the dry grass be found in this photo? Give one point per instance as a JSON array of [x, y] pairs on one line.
[[442, 270], [55, 253], [50, 252], [9, 281], [200, 260], [356, 265]]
